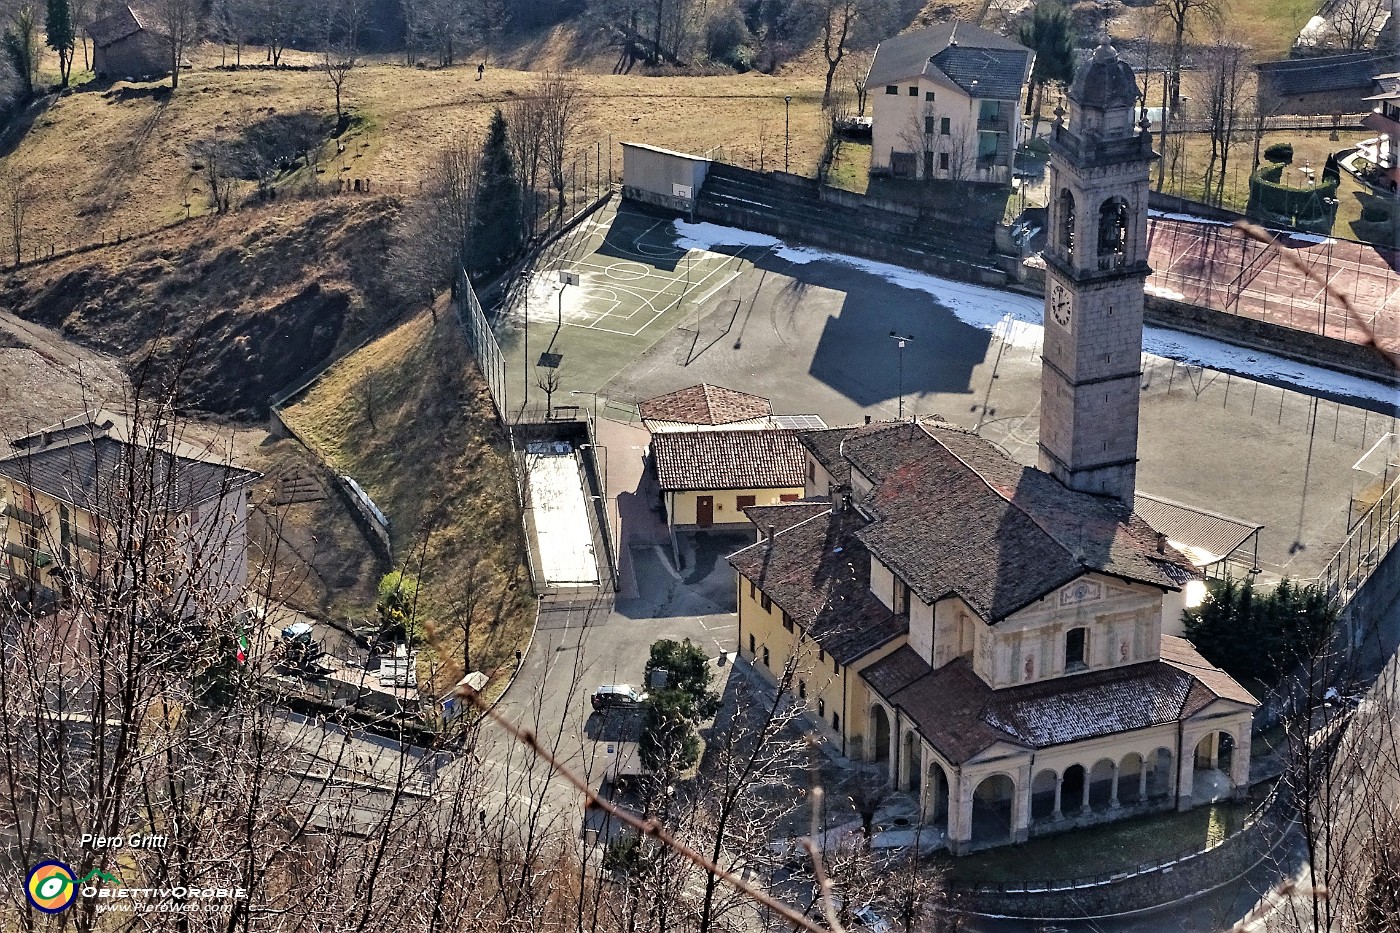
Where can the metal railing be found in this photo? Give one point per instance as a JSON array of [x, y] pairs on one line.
[[1270, 806], [1366, 546]]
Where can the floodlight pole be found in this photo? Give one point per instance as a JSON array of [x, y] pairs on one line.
[[525, 278], [901, 340], [787, 124]]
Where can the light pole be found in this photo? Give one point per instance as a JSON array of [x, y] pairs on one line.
[[787, 124], [901, 340], [525, 279]]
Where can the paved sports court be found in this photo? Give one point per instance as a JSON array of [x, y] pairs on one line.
[[1284, 282], [810, 331]]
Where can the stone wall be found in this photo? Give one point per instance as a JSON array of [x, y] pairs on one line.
[[1127, 892], [1272, 338], [842, 241]]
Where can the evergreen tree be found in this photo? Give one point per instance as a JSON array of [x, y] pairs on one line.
[[669, 743], [62, 35], [1256, 636], [1049, 35], [496, 224], [687, 671]]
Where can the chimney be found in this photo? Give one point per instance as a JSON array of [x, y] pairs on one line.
[[1161, 543], [768, 535], [867, 419], [45, 438]]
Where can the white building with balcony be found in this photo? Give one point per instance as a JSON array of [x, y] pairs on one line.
[[946, 103]]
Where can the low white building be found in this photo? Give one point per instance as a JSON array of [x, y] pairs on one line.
[[946, 102]]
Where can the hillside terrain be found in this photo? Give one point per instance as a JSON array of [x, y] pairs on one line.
[[245, 304], [409, 417]]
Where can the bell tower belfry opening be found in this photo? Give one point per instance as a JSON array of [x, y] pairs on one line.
[[1096, 267]]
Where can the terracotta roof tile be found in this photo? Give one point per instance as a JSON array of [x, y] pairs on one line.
[[954, 515], [705, 404], [689, 460], [825, 447], [783, 516], [961, 716], [819, 574]]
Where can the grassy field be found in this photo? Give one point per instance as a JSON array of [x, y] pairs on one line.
[[1310, 148], [1269, 26], [408, 417], [118, 158], [1102, 849]]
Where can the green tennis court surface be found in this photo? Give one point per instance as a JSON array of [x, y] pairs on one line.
[[601, 296]]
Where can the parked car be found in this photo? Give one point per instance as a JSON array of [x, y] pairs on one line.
[[868, 919], [617, 696]]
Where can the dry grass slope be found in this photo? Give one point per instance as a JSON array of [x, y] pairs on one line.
[[118, 159], [408, 416]]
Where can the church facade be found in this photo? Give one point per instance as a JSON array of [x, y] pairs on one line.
[[988, 633]]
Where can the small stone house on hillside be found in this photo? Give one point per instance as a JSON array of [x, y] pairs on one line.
[[990, 638], [1320, 86], [64, 491], [125, 46], [946, 103]]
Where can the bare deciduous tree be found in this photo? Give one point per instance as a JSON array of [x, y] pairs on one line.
[[1354, 23], [1220, 83], [558, 95], [180, 21], [1183, 17], [18, 194]]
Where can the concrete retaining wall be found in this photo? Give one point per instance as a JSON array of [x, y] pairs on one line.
[[1262, 335], [1233, 857], [845, 241]]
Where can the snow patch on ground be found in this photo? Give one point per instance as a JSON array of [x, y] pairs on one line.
[[1018, 320], [561, 518]]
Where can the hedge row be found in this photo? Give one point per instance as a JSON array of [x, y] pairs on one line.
[[1302, 208]]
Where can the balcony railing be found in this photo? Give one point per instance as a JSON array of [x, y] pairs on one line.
[[995, 124], [21, 515], [28, 555]]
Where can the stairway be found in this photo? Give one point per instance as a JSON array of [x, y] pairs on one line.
[[793, 209]]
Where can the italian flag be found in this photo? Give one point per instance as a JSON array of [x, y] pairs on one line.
[[242, 653]]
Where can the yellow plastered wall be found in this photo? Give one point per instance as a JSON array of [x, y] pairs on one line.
[[680, 506], [47, 534], [832, 688]]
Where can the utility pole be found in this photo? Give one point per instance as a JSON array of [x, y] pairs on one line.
[[787, 124], [901, 340]]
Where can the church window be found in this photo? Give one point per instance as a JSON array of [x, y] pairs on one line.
[[1074, 648], [1067, 224]]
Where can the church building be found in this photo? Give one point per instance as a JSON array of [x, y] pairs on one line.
[[989, 633]]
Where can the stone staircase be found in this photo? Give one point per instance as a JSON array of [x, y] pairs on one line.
[[801, 211]]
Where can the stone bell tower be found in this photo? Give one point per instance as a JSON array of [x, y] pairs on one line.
[[1096, 267]]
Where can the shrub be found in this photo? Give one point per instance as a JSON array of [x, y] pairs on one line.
[[1257, 635], [687, 672], [1280, 152], [397, 604], [669, 743], [727, 39]]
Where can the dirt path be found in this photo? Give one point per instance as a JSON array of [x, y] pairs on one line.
[[45, 378]]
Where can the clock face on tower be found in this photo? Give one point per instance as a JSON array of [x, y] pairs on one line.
[[1061, 305]]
